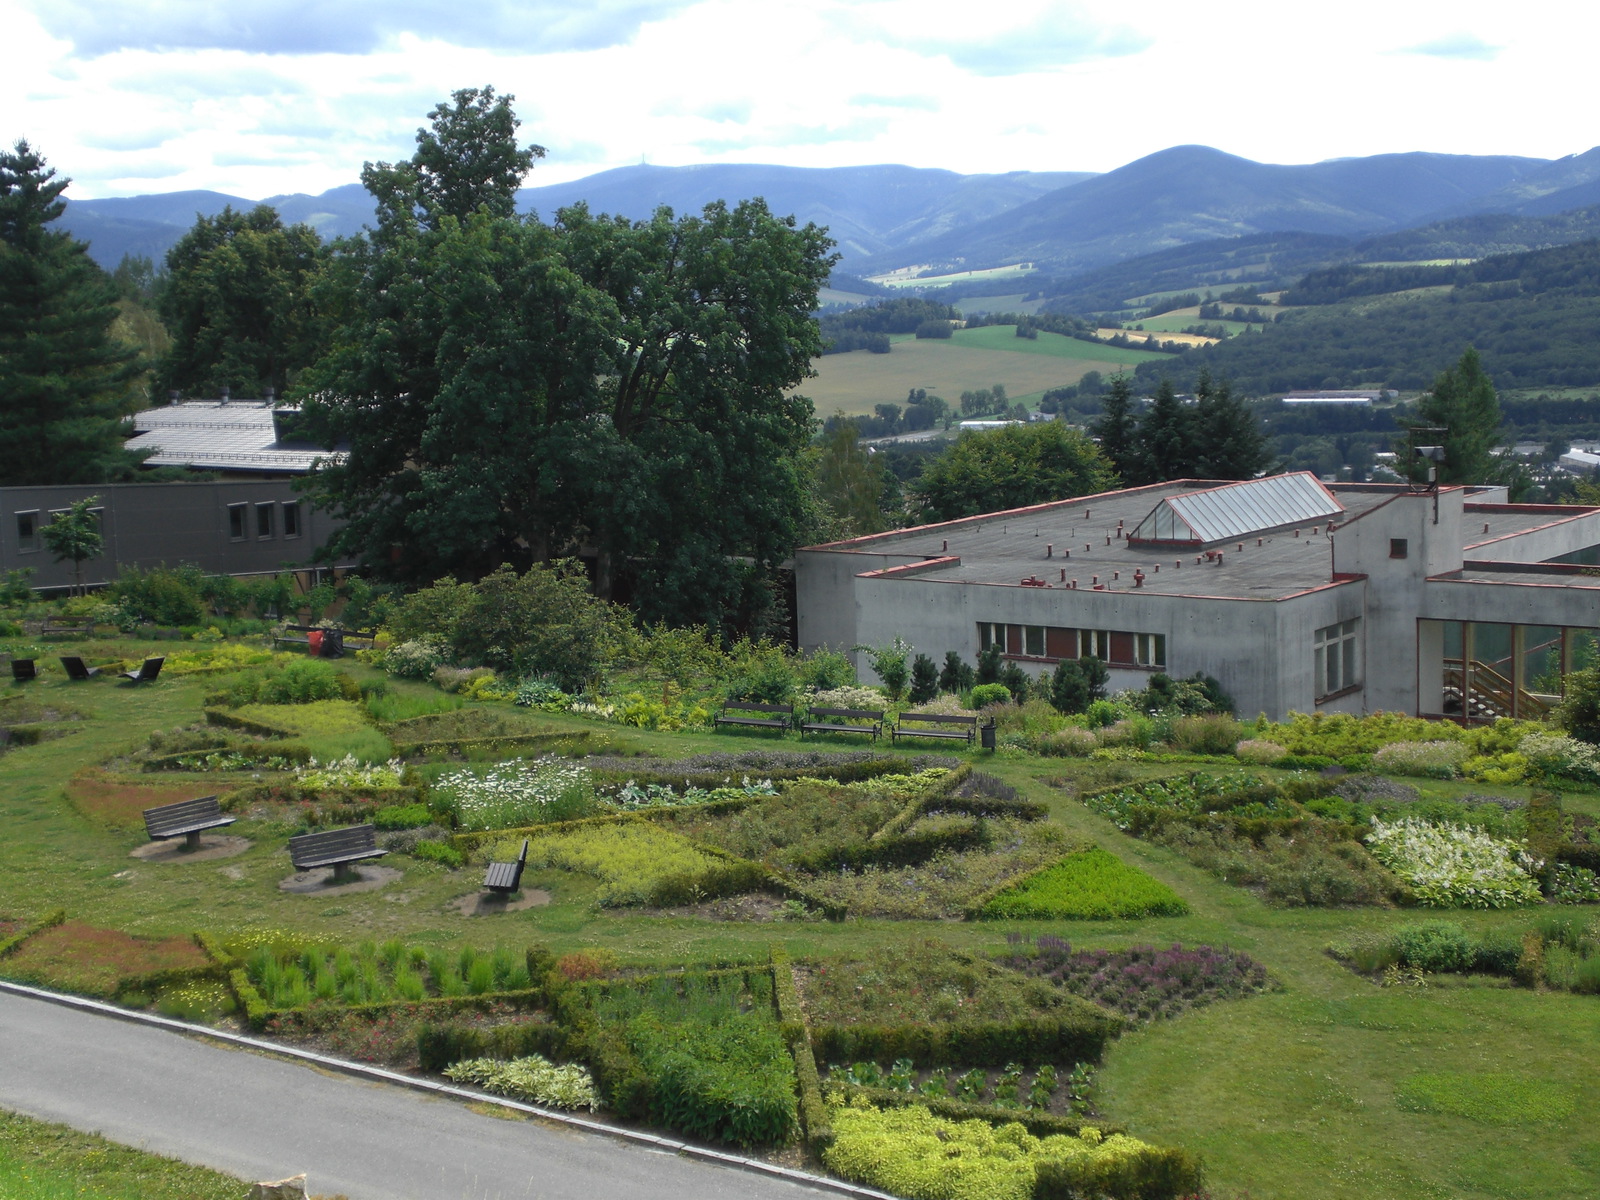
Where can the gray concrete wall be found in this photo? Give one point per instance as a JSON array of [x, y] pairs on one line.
[[148, 524], [1565, 532]]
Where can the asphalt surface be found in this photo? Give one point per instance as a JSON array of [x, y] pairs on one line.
[[259, 1117]]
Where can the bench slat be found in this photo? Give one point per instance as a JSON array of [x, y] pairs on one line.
[[333, 846], [184, 817]]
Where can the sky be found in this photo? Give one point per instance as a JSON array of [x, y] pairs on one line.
[[264, 97]]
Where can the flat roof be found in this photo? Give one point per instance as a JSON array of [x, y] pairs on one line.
[[237, 435]]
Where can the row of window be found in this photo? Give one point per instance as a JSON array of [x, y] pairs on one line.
[[268, 518], [1337, 658], [1048, 643]]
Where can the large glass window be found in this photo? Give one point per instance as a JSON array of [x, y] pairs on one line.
[[291, 518], [238, 518], [1337, 658], [1052, 644], [264, 522], [28, 531]]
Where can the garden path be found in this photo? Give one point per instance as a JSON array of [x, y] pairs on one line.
[[260, 1117]]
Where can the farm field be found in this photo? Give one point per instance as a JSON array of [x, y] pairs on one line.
[[909, 278], [1324, 1084], [1176, 320], [972, 359]]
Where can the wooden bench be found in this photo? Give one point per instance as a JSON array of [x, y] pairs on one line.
[[66, 627], [844, 720], [779, 716], [77, 670], [336, 848], [959, 728], [147, 672], [504, 878], [186, 819], [24, 669], [300, 635]]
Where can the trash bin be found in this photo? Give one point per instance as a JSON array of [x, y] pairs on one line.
[[333, 643], [314, 643], [986, 735]]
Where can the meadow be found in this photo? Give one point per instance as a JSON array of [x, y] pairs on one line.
[[974, 358], [1309, 1079]]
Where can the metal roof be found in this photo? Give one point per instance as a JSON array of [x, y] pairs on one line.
[[236, 436], [1236, 509]]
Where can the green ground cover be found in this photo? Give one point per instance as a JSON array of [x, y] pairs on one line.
[[42, 1161], [1325, 1085]]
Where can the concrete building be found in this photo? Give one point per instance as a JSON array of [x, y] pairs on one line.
[[1295, 595], [241, 439], [226, 527]]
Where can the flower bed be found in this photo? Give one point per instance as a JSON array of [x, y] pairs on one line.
[[1035, 1090], [534, 1079], [77, 957], [517, 793], [1091, 884], [1143, 982], [348, 772], [291, 978], [640, 863], [1450, 866]]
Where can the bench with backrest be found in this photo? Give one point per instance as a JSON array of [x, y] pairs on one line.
[[78, 670], [186, 819], [66, 627], [943, 725], [504, 878], [147, 672], [24, 669], [336, 848], [844, 720], [300, 635], [759, 716]]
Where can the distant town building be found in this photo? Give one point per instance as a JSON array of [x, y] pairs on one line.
[[1333, 398], [1582, 461]]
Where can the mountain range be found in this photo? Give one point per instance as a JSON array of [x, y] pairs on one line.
[[1067, 223]]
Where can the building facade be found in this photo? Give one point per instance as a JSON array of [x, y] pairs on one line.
[[1297, 596]]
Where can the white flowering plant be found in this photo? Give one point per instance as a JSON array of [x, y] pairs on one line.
[[517, 792], [349, 772], [1455, 866], [660, 795], [1552, 754]]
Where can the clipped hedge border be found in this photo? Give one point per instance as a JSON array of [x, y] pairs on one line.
[[258, 1011], [918, 806], [48, 921], [440, 1046], [332, 799], [814, 1123], [850, 772], [1081, 1037], [901, 850], [253, 750], [33, 734], [228, 720], [1037, 1123], [1144, 819], [1156, 1173], [513, 741]]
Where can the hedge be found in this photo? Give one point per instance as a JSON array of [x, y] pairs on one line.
[[1078, 1037], [1153, 1173], [526, 742], [440, 1046], [849, 772], [1040, 1124], [228, 720], [336, 804], [255, 750], [814, 1122], [901, 850], [49, 921]]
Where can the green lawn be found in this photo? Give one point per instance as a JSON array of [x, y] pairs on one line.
[[40, 1161], [1053, 345], [1301, 1093]]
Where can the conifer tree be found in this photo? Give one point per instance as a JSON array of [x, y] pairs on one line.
[[1117, 431], [1463, 403], [1166, 438], [1228, 443], [65, 382]]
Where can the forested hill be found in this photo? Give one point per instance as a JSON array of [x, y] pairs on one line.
[[1532, 316]]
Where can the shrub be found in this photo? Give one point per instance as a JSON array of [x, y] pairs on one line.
[[1257, 751], [825, 669], [300, 681], [1070, 742], [1451, 866], [640, 863], [542, 694], [1214, 734], [516, 792], [985, 694], [847, 696], [415, 659], [163, 595], [1434, 760], [1435, 946], [348, 772], [1142, 982], [1092, 884], [1563, 756], [534, 1079], [442, 853]]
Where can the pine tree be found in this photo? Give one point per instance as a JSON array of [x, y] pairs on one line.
[[1166, 437], [1463, 403], [957, 675], [1117, 431], [924, 679], [1069, 690], [1228, 440], [64, 381]]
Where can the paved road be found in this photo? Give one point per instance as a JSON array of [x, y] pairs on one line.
[[263, 1118]]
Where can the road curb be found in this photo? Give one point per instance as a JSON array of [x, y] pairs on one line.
[[446, 1090]]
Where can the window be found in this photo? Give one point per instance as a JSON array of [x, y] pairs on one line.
[[291, 518], [1095, 643], [28, 531], [1398, 548], [1033, 641], [237, 516], [991, 634], [1150, 649], [1336, 659], [264, 520]]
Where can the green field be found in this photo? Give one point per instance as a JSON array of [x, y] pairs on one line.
[[974, 358], [1176, 322], [1299, 1094]]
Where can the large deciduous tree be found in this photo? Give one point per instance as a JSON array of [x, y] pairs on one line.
[[1010, 468], [513, 391], [65, 382], [237, 302]]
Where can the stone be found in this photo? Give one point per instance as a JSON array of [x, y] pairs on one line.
[[293, 1188]]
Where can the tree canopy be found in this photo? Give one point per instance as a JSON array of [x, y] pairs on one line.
[[1462, 402], [65, 382], [237, 301], [513, 392], [1012, 467]]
